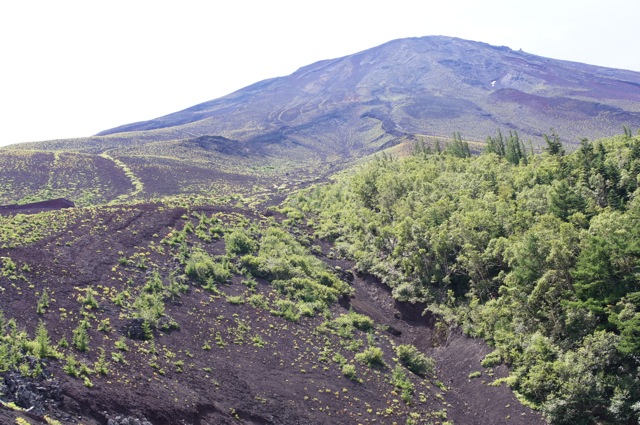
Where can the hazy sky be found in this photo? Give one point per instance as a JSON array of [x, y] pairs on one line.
[[74, 68]]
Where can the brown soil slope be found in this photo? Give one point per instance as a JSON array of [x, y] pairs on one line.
[[218, 355]]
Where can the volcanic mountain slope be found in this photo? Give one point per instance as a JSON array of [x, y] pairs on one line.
[[210, 314], [429, 86], [328, 114]]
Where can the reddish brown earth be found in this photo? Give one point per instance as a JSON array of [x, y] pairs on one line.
[[283, 381]]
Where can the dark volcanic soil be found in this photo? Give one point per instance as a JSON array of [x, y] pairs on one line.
[[227, 362], [469, 401]]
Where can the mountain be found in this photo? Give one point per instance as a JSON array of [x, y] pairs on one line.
[[326, 115], [182, 289], [428, 86]]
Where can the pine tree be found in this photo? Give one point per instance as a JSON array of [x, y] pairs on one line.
[[496, 145], [81, 336], [515, 150], [554, 145], [43, 343], [459, 147], [43, 302]]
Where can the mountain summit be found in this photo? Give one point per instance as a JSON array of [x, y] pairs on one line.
[[427, 86]]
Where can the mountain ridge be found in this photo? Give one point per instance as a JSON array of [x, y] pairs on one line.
[[494, 76]]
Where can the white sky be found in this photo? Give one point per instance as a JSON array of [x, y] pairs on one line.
[[74, 68]]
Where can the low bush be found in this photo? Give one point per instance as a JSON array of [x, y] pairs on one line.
[[238, 242], [294, 272], [346, 324], [492, 359], [400, 380], [287, 309], [372, 356], [205, 269], [149, 307], [414, 360], [81, 337], [349, 371]]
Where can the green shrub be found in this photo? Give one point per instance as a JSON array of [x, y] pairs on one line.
[[356, 320], [309, 309], [71, 366], [205, 269], [104, 325], [81, 337], [147, 330], [219, 273], [149, 307], [253, 264], [400, 380], [238, 242], [349, 371], [306, 289], [361, 321], [268, 267], [118, 357], [63, 343], [89, 300], [346, 324], [43, 302], [101, 366], [287, 309], [492, 359], [414, 360], [235, 299], [177, 286], [43, 343], [372, 356], [121, 344], [8, 266], [294, 272], [154, 283], [258, 301], [250, 283]]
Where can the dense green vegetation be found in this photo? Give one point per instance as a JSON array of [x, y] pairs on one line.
[[537, 254]]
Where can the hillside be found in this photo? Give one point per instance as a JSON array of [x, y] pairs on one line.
[[538, 255], [332, 113], [393, 237], [421, 86], [365, 300], [201, 314]]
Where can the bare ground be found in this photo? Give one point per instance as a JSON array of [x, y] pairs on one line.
[[265, 370]]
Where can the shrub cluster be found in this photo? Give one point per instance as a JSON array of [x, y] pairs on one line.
[[414, 360], [538, 254]]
